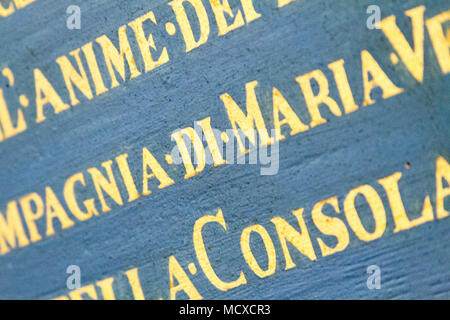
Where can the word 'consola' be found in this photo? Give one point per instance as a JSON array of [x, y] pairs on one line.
[[45, 211], [340, 224], [117, 60]]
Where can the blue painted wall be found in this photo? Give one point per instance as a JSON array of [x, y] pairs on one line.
[[325, 161]]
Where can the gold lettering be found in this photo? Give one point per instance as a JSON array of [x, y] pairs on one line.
[[216, 153], [330, 226], [8, 127], [106, 288], [313, 101], [145, 43], [4, 12], [186, 153], [54, 209], [71, 201], [91, 60], [124, 169], [184, 283], [250, 258], [22, 3], [442, 172], [378, 212], [440, 41], [45, 93], [202, 256], [77, 294], [117, 59], [11, 229], [70, 75], [300, 240], [413, 59], [109, 185], [149, 161], [282, 3], [280, 105], [247, 123], [135, 284], [249, 10], [379, 79], [220, 7], [185, 26], [31, 215], [345, 92], [402, 222]]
